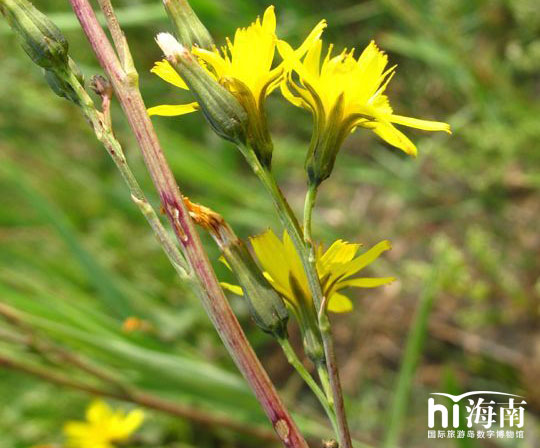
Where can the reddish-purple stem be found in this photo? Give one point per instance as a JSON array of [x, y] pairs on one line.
[[213, 299]]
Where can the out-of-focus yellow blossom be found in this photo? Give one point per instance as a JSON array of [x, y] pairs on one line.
[[336, 267], [103, 427], [344, 92]]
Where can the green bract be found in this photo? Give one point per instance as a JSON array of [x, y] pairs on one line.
[[39, 36]]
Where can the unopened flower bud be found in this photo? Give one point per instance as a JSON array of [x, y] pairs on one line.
[[325, 145], [258, 135], [224, 113], [189, 28], [60, 83], [39, 36], [266, 306], [309, 327]]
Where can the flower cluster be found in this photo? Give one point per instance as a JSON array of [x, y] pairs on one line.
[[245, 68], [336, 267], [343, 92]]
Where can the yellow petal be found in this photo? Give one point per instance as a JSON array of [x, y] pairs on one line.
[[166, 72], [129, 424], [289, 96], [394, 137], [295, 264], [269, 20], [312, 61], [340, 252], [339, 303], [225, 262], [172, 110], [98, 411], [365, 282], [425, 125], [235, 289], [213, 59], [363, 260], [270, 253], [290, 58], [311, 39], [76, 430]]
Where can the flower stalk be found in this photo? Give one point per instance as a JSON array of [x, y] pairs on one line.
[[236, 254], [212, 296], [306, 252]]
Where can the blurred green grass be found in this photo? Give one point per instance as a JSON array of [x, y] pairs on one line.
[[69, 235]]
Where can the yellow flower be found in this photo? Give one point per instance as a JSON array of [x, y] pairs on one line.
[[102, 427], [283, 269], [343, 93], [245, 68], [247, 60]]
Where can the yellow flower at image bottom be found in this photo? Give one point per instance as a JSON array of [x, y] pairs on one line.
[[103, 427], [336, 267]]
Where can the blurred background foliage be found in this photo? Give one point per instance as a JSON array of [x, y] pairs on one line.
[[76, 258]]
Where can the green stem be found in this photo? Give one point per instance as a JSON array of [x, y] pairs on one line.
[[328, 371], [105, 135], [307, 255], [325, 381], [294, 361], [309, 203]]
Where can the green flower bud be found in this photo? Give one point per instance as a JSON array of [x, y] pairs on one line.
[[326, 142], [306, 315], [266, 306], [39, 36], [221, 109], [60, 83], [189, 28], [257, 133]]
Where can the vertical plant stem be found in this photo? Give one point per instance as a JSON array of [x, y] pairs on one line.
[[294, 361], [328, 373], [101, 123], [307, 255], [124, 83], [413, 351], [309, 204], [325, 382]]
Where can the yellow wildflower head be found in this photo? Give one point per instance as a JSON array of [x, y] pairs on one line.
[[245, 67], [336, 267], [343, 93], [102, 427]]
